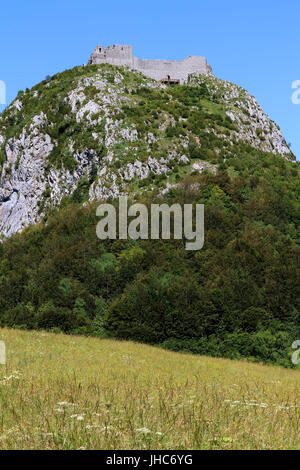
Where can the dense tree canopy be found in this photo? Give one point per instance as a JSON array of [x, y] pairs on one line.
[[238, 297]]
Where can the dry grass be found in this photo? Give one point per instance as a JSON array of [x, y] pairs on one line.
[[61, 392]]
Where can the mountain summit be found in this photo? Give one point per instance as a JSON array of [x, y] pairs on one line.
[[103, 130]]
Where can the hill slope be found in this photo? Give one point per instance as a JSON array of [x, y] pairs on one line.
[[237, 297], [115, 131], [95, 132], [61, 392]]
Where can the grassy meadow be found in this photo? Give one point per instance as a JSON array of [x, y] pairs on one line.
[[70, 392]]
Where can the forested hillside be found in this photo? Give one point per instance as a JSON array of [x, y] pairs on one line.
[[209, 143]]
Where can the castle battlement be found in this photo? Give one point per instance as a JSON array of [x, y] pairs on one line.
[[174, 70]]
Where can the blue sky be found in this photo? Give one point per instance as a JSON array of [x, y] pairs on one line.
[[255, 44]]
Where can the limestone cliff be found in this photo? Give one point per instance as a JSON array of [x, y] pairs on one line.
[[101, 130]]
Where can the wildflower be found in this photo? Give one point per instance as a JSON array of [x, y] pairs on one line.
[[59, 410], [107, 428], [144, 430], [78, 417]]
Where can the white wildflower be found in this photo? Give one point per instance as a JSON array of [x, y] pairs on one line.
[[144, 430], [59, 410]]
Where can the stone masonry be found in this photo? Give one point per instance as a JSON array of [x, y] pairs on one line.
[[158, 69]]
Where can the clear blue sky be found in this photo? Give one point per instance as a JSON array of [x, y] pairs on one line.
[[254, 43]]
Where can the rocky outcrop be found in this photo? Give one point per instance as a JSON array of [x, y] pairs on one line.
[[253, 125], [87, 124]]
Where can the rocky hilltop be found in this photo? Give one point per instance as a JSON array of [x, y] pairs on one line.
[[100, 131]]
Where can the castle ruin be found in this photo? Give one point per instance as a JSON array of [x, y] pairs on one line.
[[169, 71]]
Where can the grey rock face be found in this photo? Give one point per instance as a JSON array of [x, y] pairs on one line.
[[254, 126], [22, 179]]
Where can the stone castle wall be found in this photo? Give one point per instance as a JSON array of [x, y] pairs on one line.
[[122, 55]]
